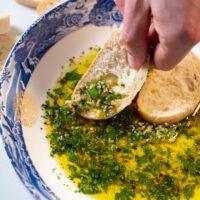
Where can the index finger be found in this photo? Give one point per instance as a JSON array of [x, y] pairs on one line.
[[135, 30]]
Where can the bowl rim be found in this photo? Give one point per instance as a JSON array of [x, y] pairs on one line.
[[5, 67]]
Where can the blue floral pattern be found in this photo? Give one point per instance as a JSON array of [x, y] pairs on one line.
[[42, 35]]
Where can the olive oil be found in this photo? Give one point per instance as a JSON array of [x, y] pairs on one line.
[[131, 158]]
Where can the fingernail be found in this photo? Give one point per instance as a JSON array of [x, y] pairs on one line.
[[132, 61]]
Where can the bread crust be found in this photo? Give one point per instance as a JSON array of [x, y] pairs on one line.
[[1, 65], [4, 24], [6, 44], [29, 3], [169, 97], [46, 5]]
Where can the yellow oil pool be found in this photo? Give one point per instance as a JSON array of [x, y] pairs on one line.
[[146, 165]]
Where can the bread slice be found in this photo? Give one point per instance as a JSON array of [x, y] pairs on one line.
[[46, 5], [111, 64], [1, 65], [29, 3], [6, 44], [4, 24], [170, 96]]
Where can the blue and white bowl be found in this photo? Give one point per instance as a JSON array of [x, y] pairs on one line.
[[33, 67]]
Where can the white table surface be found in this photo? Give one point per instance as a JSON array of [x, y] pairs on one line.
[[11, 188]]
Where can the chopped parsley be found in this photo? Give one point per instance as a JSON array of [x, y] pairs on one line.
[[98, 95], [124, 150]]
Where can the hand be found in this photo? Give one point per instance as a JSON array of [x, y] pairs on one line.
[[171, 27]]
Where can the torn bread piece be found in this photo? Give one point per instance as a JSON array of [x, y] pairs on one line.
[[4, 24], [170, 96], [6, 44], [1, 64], [110, 84], [29, 3], [46, 5]]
